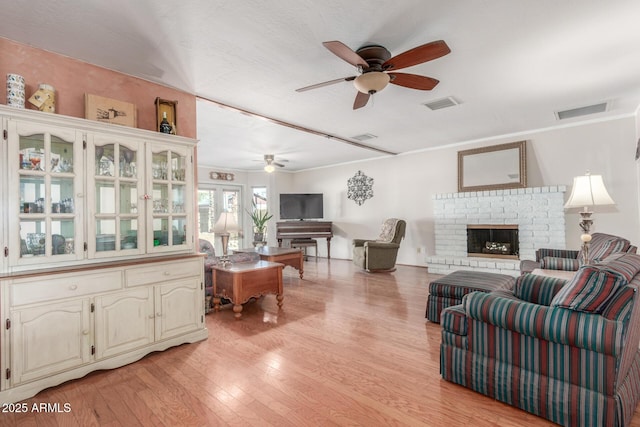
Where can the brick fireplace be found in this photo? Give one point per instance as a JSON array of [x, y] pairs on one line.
[[537, 212]]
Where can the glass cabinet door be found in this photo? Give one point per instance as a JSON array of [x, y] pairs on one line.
[[116, 180], [169, 225], [48, 166]]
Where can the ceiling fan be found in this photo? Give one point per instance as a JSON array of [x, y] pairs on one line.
[[270, 163], [376, 68]]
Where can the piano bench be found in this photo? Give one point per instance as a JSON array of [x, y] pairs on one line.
[[305, 243]]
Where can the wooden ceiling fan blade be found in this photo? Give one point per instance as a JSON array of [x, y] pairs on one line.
[[361, 100], [418, 55], [280, 165], [344, 52], [330, 82], [413, 81]]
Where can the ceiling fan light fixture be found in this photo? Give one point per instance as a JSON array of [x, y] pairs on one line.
[[371, 82], [269, 168]]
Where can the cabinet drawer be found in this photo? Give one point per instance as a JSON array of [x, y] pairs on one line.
[[46, 288], [156, 273]]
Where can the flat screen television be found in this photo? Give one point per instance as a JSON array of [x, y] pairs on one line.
[[301, 206]]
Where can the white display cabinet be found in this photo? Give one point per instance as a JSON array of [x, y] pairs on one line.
[[99, 265], [78, 191]]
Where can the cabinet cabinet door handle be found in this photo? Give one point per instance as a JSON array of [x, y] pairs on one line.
[[166, 273], [85, 332], [151, 316], [73, 287], [159, 314]]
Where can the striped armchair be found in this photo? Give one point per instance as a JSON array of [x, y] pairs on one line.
[[564, 350], [602, 245]]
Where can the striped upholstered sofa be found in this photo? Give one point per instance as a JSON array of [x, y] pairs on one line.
[[563, 350], [601, 246]]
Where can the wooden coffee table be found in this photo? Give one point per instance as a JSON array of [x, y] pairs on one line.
[[286, 256], [244, 280]]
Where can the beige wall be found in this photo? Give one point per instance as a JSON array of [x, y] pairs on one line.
[[404, 185], [72, 79]]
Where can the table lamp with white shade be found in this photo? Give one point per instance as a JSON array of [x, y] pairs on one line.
[[588, 190], [223, 227]]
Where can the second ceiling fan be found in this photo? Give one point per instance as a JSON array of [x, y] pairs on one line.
[[377, 68], [270, 163]]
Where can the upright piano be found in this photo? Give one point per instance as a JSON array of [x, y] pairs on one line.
[[305, 230]]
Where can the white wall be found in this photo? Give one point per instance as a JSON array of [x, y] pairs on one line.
[[605, 148], [404, 185]]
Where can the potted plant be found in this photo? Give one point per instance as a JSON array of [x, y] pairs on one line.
[[259, 218]]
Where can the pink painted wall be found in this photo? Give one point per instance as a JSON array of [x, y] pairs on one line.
[[73, 78]]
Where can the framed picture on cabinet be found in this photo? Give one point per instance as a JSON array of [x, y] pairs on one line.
[[164, 106], [109, 110]]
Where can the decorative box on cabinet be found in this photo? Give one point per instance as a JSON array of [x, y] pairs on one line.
[[65, 324]]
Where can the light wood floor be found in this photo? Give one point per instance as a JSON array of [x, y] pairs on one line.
[[348, 348]]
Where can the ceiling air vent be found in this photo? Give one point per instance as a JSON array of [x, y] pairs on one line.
[[364, 137], [582, 111], [439, 104]]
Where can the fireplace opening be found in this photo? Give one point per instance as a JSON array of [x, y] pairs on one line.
[[493, 241]]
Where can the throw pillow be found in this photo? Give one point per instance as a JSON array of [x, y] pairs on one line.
[[556, 263], [628, 265], [600, 249], [388, 230], [619, 307], [590, 289]]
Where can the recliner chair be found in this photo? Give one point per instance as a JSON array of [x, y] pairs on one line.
[[380, 254]]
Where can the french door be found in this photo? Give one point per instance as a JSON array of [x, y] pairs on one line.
[[212, 201]]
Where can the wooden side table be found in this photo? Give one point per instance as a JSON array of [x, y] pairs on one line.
[[244, 280]]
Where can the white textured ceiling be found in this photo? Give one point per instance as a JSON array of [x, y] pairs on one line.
[[512, 65]]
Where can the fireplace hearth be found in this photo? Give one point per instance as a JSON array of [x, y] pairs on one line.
[[493, 241]]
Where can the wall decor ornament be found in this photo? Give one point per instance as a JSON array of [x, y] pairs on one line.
[[224, 176], [360, 188]]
